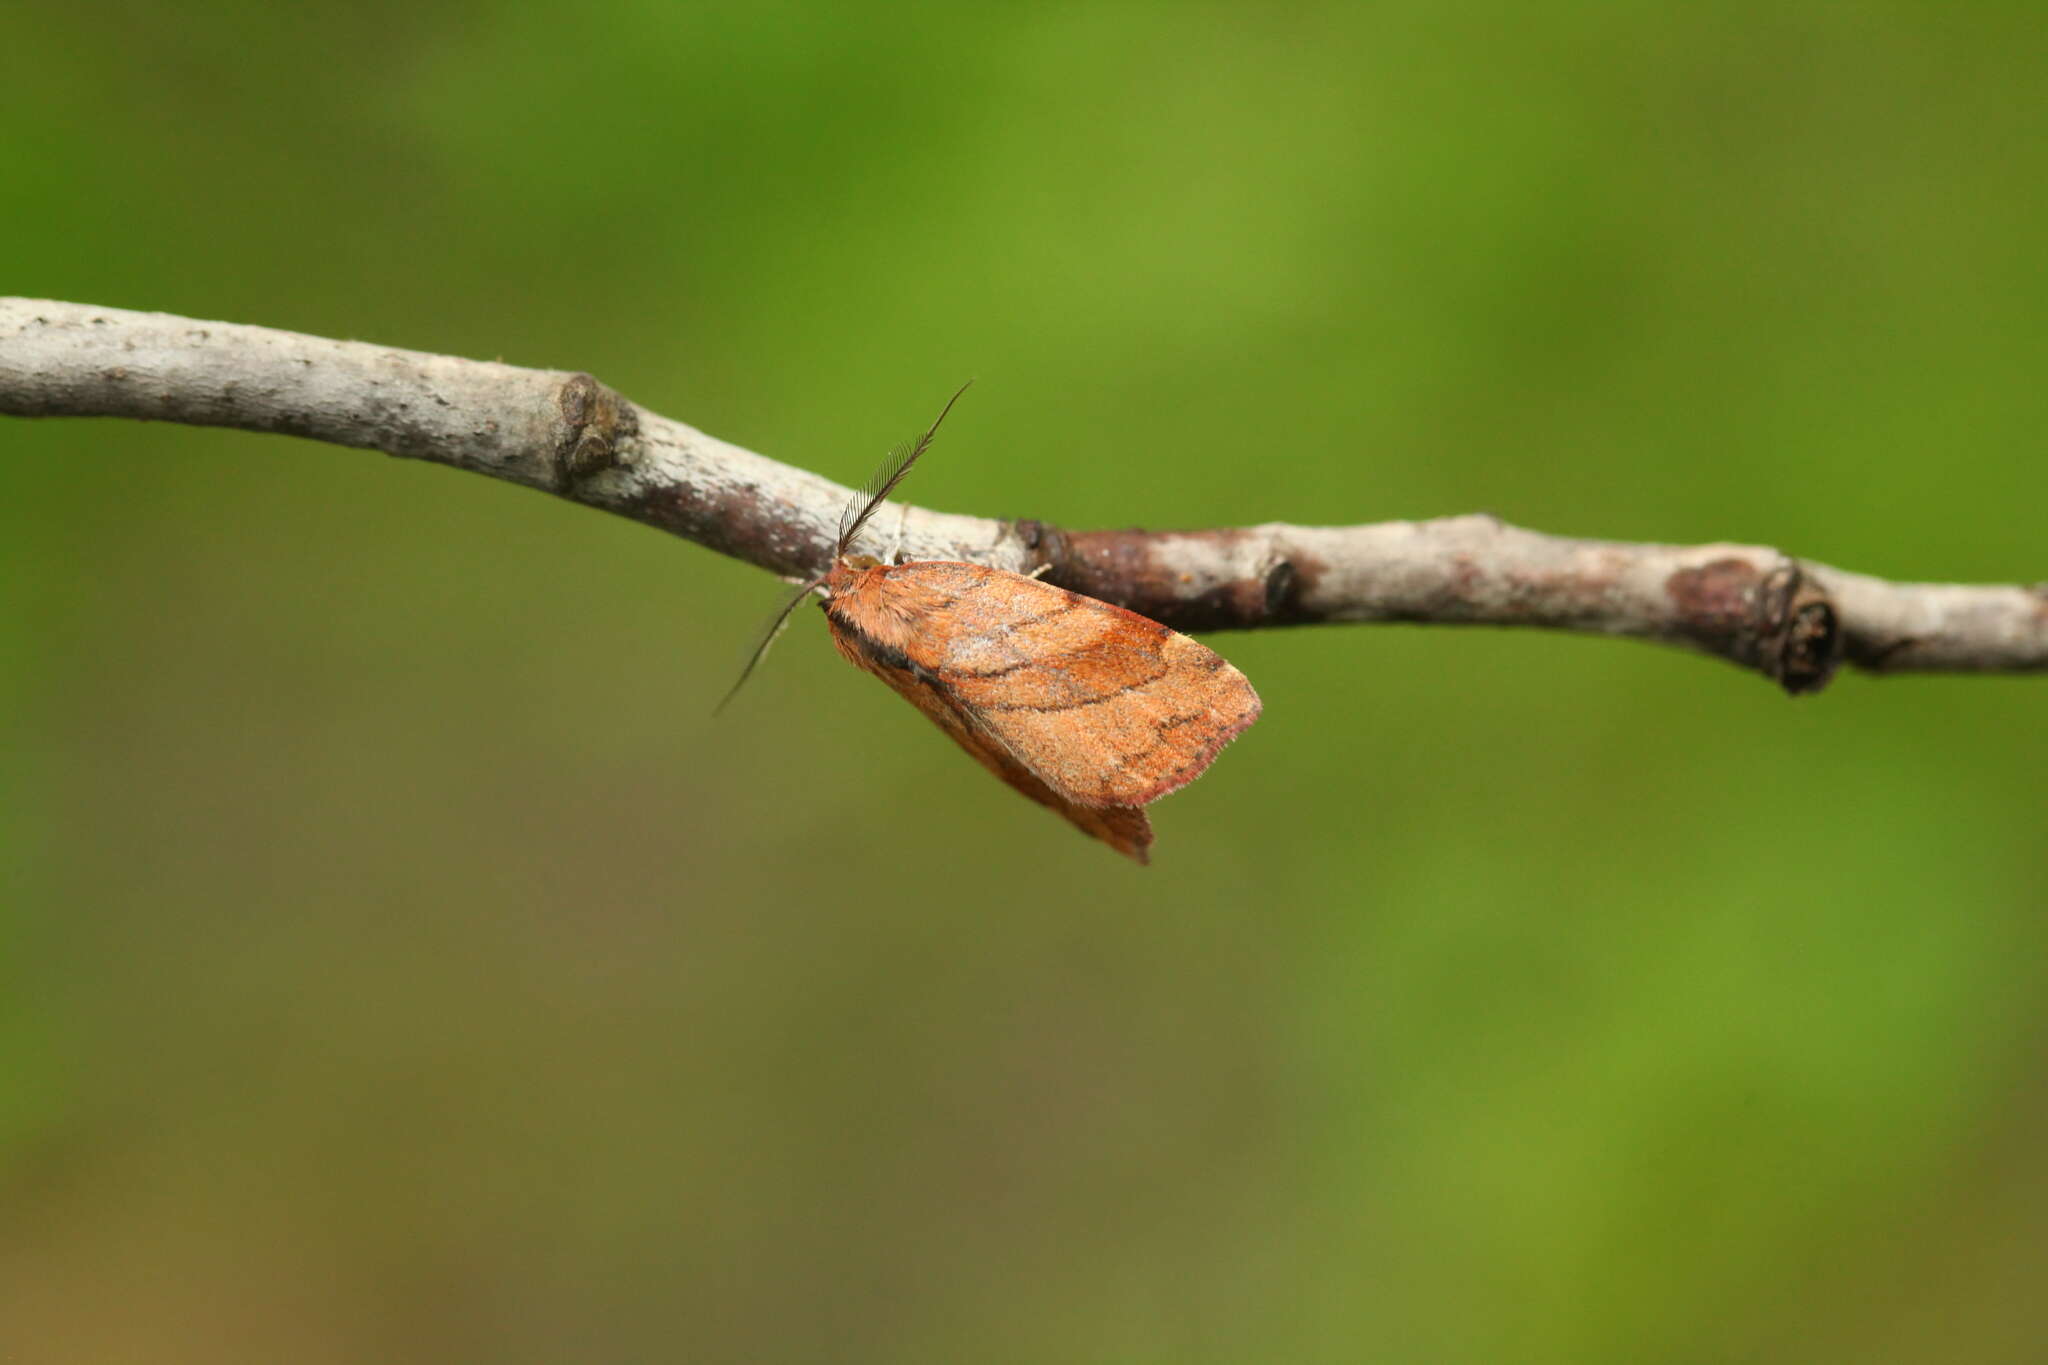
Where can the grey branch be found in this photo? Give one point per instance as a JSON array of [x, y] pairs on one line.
[[563, 432]]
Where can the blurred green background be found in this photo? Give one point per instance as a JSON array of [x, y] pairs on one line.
[[401, 965]]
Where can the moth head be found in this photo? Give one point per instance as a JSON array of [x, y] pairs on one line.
[[839, 578], [844, 565]]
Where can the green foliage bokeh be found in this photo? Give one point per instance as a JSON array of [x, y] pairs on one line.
[[400, 964]]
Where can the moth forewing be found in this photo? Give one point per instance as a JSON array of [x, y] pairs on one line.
[[1100, 707]]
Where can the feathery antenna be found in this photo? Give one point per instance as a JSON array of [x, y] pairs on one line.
[[893, 468], [775, 625]]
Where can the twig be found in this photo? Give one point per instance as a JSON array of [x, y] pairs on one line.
[[1791, 620]]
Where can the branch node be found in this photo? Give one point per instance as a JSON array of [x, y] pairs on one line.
[[1780, 622], [1800, 642], [596, 423]]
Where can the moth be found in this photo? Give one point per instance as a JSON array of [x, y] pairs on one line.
[[1081, 705]]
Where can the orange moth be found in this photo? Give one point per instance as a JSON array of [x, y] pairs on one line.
[[1082, 706]]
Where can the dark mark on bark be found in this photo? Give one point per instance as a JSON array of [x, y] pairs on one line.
[[1124, 567], [1713, 601], [1280, 583], [1878, 657], [736, 520]]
